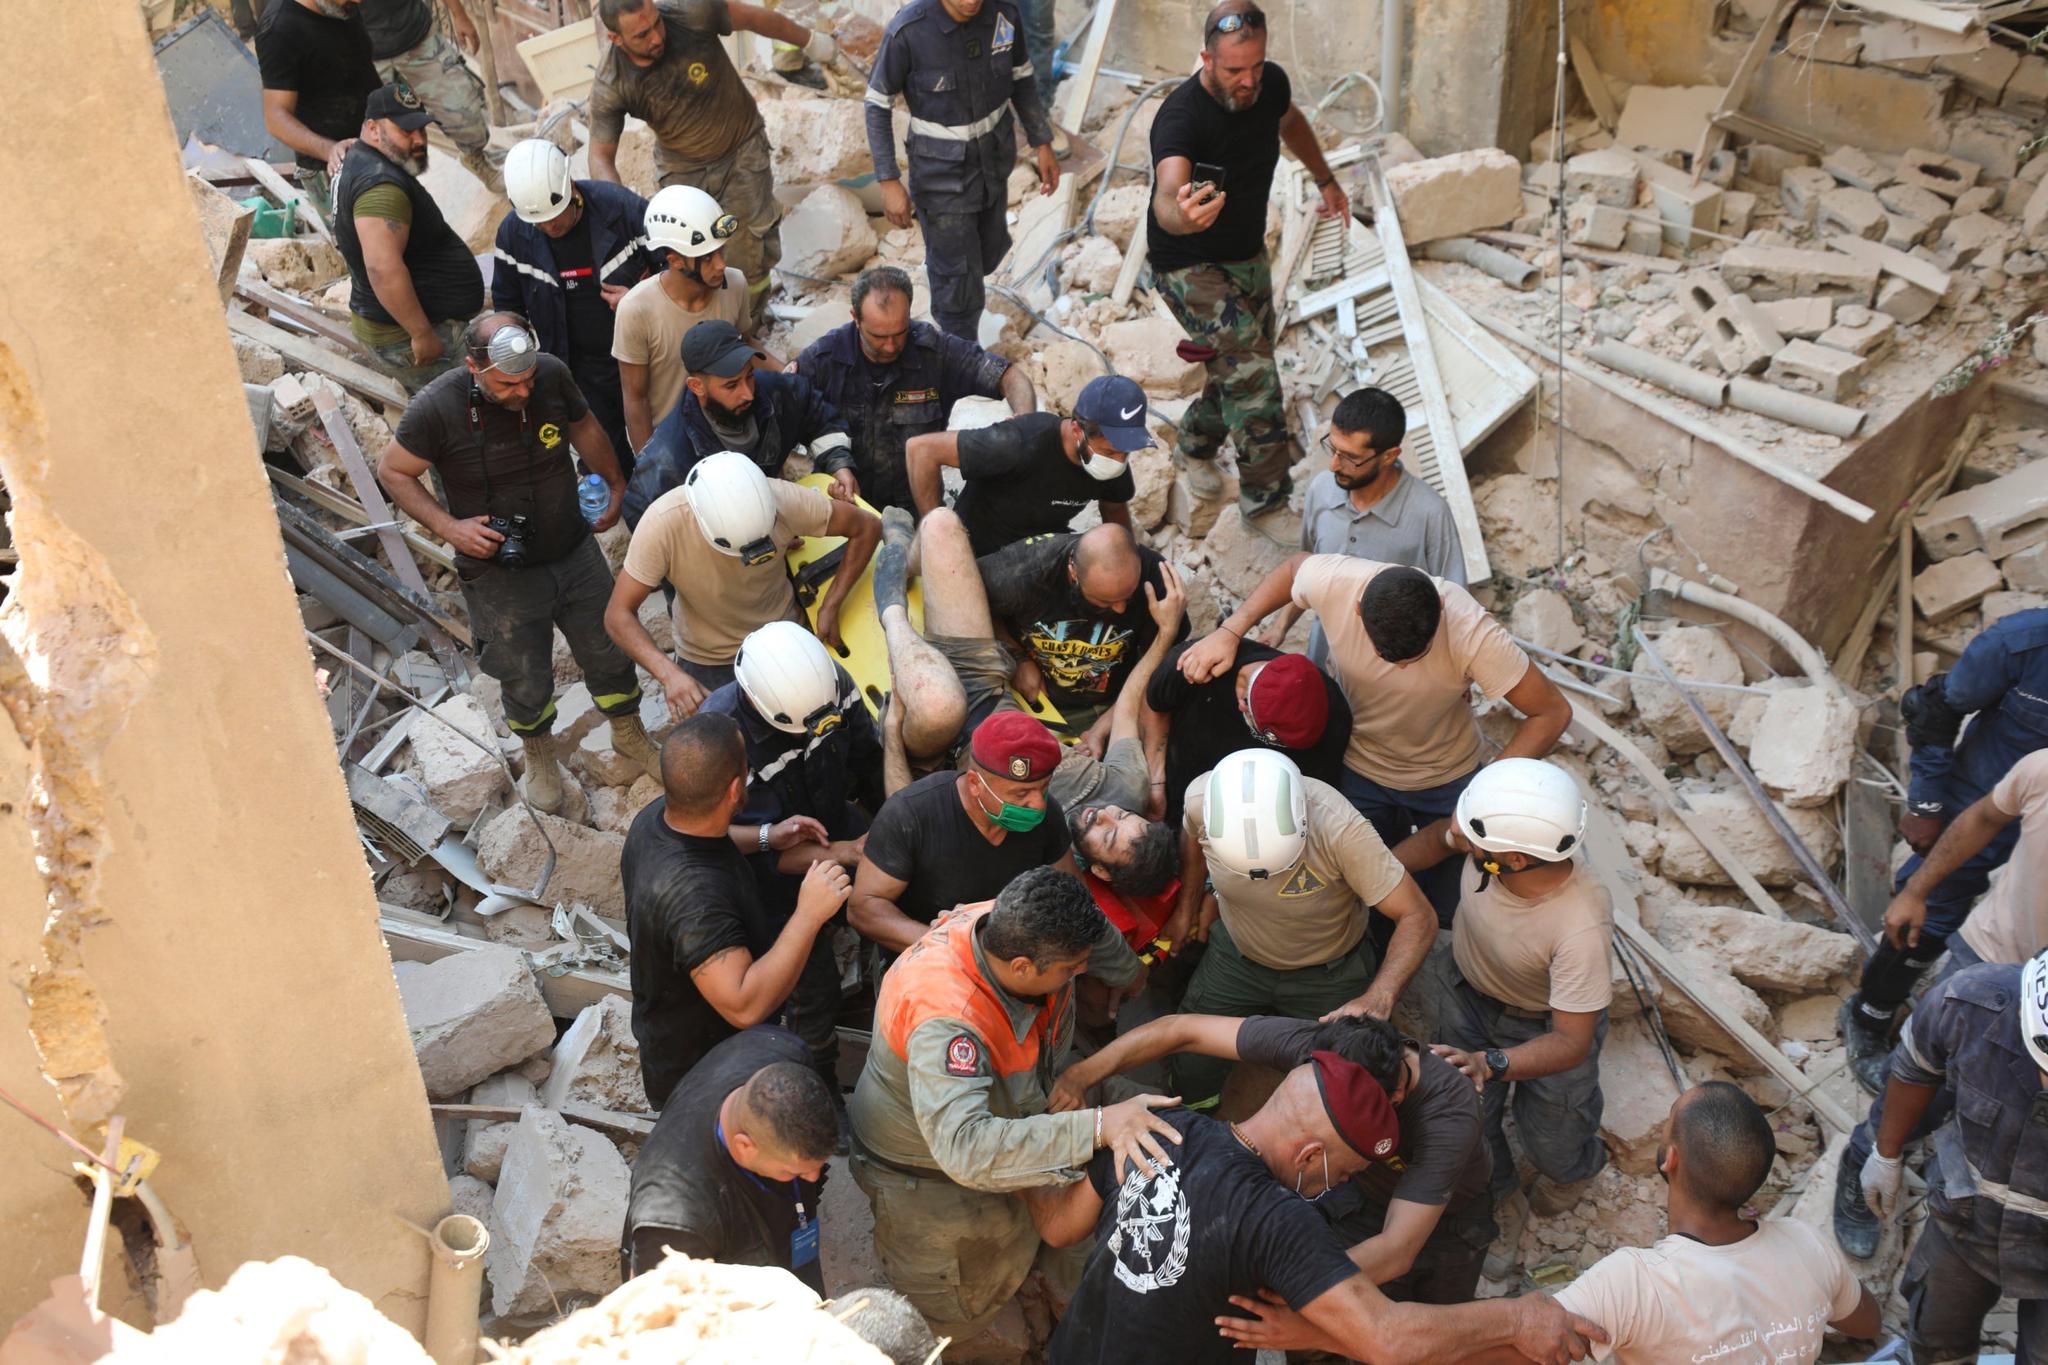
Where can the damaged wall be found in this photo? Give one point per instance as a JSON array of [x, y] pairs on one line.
[[200, 953]]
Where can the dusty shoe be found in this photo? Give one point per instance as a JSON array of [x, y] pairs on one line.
[[1548, 1198], [1856, 1227], [892, 560], [1504, 1257], [1868, 1042], [543, 785], [479, 165], [1062, 145], [630, 742], [1268, 514], [1205, 480]]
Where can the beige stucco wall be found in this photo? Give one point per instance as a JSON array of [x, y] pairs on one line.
[[216, 912]]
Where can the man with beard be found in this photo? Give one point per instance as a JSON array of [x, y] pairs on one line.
[[412, 280], [730, 404], [499, 433], [1364, 506], [314, 58], [1206, 234]]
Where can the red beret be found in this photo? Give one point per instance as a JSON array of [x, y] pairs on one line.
[[1358, 1106], [1011, 744], [1288, 703]]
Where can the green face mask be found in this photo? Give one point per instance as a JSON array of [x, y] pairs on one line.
[[1016, 819]]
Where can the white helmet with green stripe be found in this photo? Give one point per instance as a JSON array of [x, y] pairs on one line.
[[1255, 814]]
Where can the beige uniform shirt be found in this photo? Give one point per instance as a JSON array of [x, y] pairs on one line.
[[2011, 923], [1411, 725], [719, 600], [648, 330], [1762, 1301], [1544, 954], [1316, 912]]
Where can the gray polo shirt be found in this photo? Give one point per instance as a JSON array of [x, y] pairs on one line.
[[1411, 525]]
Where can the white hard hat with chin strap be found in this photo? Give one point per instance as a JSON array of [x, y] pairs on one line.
[[734, 506], [1522, 805], [686, 220], [790, 679], [1255, 814], [537, 180]]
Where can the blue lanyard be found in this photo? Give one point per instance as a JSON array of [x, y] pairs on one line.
[[796, 1189]]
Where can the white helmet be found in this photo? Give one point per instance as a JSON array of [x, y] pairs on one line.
[[734, 505], [684, 219], [537, 180], [1523, 805], [785, 672], [1255, 813], [2034, 1008]]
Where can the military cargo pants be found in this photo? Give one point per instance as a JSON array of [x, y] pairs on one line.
[[435, 71], [514, 614], [1229, 306], [743, 183]]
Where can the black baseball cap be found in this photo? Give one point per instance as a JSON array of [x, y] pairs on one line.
[[717, 349], [1117, 405], [397, 103]]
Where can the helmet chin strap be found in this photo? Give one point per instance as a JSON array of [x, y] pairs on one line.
[[1489, 867]]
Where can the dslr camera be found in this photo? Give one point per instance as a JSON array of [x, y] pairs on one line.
[[512, 551]]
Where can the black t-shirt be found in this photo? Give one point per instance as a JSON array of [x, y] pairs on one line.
[[326, 62], [396, 27], [1442, 1156], [497, 461], [1083, 652], [686, 1183], [1247, 146], [688, 898], [924, 836], [1208, 727], [1019, 482], [590, 317], [1170, 1250]]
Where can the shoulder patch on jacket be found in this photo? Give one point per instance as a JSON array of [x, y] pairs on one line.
[[963, 1055]]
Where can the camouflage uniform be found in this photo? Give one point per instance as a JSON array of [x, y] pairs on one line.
[[1229, 305], [435, 72]]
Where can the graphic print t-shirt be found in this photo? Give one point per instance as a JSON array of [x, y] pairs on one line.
[[1084, 652], [1170, 1250]]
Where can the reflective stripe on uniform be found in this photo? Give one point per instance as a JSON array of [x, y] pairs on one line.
[[525, 269], [625, 254], [877, 98], [539, 725], [1021, 73], [831, 440], [2011, 1200], [607, 700], [965, 132]]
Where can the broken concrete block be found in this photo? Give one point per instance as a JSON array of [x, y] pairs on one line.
[[597, 1061], [1607, 176], [258, 363], [1856, 167], [1638, 1092], [1747, 834], [1238, 557], [1543, 617], [1800, 191], [1143, 349], [816, 141], [1119, 213], [483, 1146], [1902, 233], [1915, 201], [601, 764], [1974, 236], [556, 1217], [225, 225], [1766, 954], [472, 1014], [1694, 654], [1848, 209], [1941, 590], [1065, 367], [1595, 224], [1692, 1027], [468, 1195], [291, 400], [1990, 140], [2027, 570], [828, 234], [461, 778], [1092, 265], [295, 263], [1734, 329], [1738, 207], [1806, 318], [1448, 196], [1984, 72], [1807, 367], [1766, 165], [1682, 206], [2027, 91], [1907, 302], [1765, 272], [1997, 606], [1645, 236], [1805, 745], [1670, 118], [1861, 331], [1943, 175], [511, 850], [1978, 199], [2000, 518]]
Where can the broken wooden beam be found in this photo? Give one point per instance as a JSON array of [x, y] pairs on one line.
[[358, 379]]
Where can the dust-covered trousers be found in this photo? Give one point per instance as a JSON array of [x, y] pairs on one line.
[[1229, 306], [514, 613], [961, 245], [435, 71], [1950, 1287], [743, 183]]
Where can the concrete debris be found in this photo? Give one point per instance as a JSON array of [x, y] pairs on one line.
[[1120, 211], [1805, 745], [1941, 590], [1544, 618], [483, 1146], [1809, 367], [1607, 177], [1765, 272], [473, 1014], [1747, 835], [1092, 265], [556, 1217], [1143, 349], [283, 1310], [1637, 1093], [2027, 571], [1692, 1027], [511, 850], [1695, 654], [258, 363], [1783, 956], [1450, 196], [1856, 212], [1997, 606], [468, 1195], [1065, 367], [817, 140], [1518, 517], [461, 779], [295, 263], [827, 234], [597, 1062]]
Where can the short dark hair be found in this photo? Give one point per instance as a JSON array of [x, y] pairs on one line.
[[883, 279], [1374, 414], [795, 1104], [1401, 608], [699, 760], [1153, 862], [608, 11], [887, 1322], [1045, 915], [1372, 1043], [1725, 1145]]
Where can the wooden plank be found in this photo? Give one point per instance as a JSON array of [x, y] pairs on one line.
[[267, 176], [360, 380], [1948, 19], [1715, 136], [1488, 379], [1080, 86], [568, 995], [1763, 130], [342, 505], [305, 313], [604, 1120], [1134, 262], [1296, 227], [1598, 93], [1344, 291]]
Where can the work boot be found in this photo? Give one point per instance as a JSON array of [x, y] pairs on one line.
[[1202, 484], [543, 774], [1856, 1227], [1062, 145], [630, 742], [1504, 1257], [1267, 513], [1548, 1198], [1868, 1042], [892, 560], [479, 165]]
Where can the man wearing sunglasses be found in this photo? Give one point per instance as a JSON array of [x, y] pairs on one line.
[[1215, 144]]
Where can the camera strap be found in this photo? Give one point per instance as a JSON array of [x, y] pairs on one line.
[[476, 429]]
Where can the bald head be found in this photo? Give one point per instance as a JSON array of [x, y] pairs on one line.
[[700, 760], [1107, 566]]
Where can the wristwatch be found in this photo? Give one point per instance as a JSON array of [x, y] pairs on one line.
[[1496, 1064], [764, 837]]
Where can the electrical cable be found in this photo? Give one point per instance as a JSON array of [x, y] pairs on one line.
[[1557, 212], [1636, 974]]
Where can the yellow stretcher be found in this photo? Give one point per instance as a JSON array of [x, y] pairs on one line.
[[813, 561]]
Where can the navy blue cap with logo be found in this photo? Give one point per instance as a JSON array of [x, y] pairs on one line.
[[1117, 405]]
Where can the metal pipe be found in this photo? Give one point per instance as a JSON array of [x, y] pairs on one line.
[[1800, 409], [1511, 270], [1391, 43], [1810, 660], [358, 610], [1669, 375], [455, 1288]]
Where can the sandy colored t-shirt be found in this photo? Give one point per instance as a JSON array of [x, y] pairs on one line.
[[692, 97], [1411, 726], [1764, 1300], [719, 600], [649, 331], [2011, 923], [1543, 954], [1316, 913]]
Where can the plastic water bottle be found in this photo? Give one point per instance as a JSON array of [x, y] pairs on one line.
[[593, 497]]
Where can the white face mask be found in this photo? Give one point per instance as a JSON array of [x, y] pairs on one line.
[[1103, 467]]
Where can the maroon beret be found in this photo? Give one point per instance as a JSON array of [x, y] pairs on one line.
[[1287, 703], [1011, 744], [1358, 1106]]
